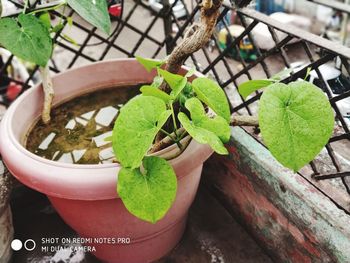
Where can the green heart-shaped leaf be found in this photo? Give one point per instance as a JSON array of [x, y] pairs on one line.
[[217, 125], [247, 88], [148, 90], [296, 122], [212, 95], [148, 63], [93, 11], [176, 82], [148, 195], [136, 127], [29, 39], [201, 135]]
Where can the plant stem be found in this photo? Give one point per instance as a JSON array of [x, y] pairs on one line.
[[168, 134], [235, 121], [48, 93], [165, 142], [244, 121], [63, 14], [49, 8], [25, 6], [174, 119]]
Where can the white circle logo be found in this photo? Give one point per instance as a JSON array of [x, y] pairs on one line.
[[29, 245], [16, 244]]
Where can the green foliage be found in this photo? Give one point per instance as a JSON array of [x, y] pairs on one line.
[[149, 190], [93, 11], [45, 19], [247, 88], [70, 21], [217, 125], [57, 28], [186, 94], [149, 90], [296, 122], [149, 64], [202, 135], [148, 193], [27, 38], [176, 82], [211, 94], [138, 123]]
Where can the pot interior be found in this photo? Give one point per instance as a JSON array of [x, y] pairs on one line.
[[73, 83]]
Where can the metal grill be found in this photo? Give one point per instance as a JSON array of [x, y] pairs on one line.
[[161, 31]]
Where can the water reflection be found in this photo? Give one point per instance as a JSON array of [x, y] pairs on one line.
[[46, 142], [80, 128]]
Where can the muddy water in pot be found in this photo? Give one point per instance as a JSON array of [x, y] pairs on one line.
[[79, 127]]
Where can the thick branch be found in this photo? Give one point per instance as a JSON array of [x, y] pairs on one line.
[[48, 93], [195, 38]]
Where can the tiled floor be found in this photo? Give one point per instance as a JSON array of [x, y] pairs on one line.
[[212, 235]]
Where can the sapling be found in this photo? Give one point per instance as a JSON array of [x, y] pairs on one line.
[[296, 121]]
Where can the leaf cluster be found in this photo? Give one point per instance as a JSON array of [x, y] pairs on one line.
[[28, 36], [147, 185]]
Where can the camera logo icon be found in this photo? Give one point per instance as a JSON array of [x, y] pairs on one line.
[[28, 245]]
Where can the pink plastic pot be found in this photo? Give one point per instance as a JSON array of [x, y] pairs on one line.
[[85, 195]]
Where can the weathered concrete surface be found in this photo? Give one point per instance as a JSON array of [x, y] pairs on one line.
[[6, 228], [285, 213]]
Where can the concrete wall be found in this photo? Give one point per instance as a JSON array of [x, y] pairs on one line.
[[287, 215]]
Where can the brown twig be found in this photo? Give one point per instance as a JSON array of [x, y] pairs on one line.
[[244, 121], [48, 93], [166, 141]]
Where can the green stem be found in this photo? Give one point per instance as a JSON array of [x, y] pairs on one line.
[[309, 69], [49, 8], [174, 120], [63, 13], [25, 6], [168, 134], [182, 135]]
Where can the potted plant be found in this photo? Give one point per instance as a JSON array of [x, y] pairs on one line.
[[160, 139]]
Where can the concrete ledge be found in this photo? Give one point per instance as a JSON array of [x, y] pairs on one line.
[[287, 215]]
